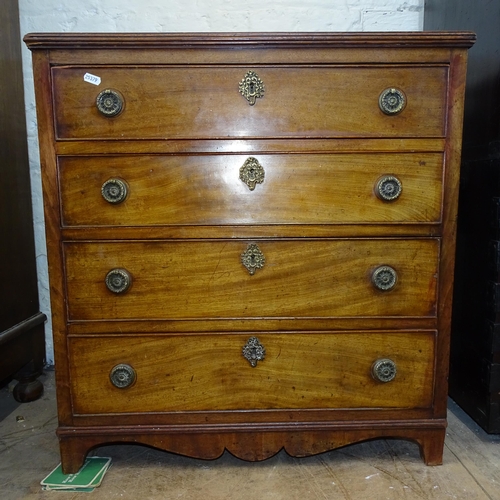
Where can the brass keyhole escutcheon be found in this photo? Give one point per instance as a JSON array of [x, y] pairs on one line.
[[252, 258], [252, 173], [254, 351], [251, 87]]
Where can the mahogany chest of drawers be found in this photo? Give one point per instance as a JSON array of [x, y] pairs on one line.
[[251, 237]]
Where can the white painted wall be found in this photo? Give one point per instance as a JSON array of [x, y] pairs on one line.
[[188, 15]]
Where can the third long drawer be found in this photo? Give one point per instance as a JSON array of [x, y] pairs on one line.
[[251, 279]]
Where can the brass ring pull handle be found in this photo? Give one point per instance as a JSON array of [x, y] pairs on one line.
[[122, 376], [114, 191], [388, 188], [252, 258], [118, 280], [254, 351], [109, 102], [384, 370], [252, 173], [251, 87], [384, 278], [392, 101]]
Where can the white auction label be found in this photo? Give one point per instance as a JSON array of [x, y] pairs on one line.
[[94, 80]]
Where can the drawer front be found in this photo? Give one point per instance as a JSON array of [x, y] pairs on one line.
[[294, 189], [205, 102], [209, 373], [206, 279]]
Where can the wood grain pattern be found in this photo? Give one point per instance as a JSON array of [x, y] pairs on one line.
[[201, 190], [253, 445], [193, 102], [209, 372], [206, 279]]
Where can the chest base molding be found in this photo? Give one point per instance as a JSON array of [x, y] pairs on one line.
[[254, 442]]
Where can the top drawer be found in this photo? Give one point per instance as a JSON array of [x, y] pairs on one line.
[[162, 102]]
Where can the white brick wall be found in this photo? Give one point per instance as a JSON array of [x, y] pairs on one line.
[[188, 15]]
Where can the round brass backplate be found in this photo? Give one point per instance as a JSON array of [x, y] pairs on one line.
[[110, 103], [384, 370], [388, 188], [118, 280], [114, 191], [122, 376], [392, 101], [384, 278]]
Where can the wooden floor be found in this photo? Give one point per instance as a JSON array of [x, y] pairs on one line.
[[375, 470]]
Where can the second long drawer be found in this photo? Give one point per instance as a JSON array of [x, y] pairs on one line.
[[145, 190], [248, 279]]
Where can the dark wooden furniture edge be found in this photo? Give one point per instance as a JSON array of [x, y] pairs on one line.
[[13, 340], [22, 327], [211, 40]]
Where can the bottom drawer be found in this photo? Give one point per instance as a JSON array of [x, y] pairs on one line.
[[209, 372]]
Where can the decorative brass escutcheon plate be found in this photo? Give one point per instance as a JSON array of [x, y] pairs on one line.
[[251, 87], [252, 258], [254, 351], [252, 173]]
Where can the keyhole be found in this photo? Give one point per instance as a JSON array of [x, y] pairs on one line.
[[252, 88]]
